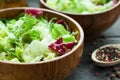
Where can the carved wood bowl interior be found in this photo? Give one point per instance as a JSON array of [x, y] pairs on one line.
[[56, 69], [92, 24]]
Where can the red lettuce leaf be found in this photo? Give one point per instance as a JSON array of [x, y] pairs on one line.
[[61, 21], [60, 47], [115, 2], [34, 12]]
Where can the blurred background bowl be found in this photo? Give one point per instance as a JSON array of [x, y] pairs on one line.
[[95, 23], [56, 69], [12, 3]]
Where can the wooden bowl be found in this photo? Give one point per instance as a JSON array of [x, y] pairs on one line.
[[56, 69], [92, 24]]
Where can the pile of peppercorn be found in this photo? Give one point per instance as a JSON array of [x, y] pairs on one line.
[[108, 54]]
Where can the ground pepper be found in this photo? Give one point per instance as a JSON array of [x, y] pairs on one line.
[[108, 54]]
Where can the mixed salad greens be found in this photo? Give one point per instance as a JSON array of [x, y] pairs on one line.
[[81, 6], [30, 37]]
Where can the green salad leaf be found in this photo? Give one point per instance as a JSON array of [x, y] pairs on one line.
[[26, 38], [80, 6]]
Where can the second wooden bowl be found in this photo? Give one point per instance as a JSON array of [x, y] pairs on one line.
[[92, 24]]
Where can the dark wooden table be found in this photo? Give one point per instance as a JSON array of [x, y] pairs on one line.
[[87, 70]]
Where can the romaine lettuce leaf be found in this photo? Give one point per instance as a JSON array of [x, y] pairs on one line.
[[36, 50], [58, 30], [3, 32]]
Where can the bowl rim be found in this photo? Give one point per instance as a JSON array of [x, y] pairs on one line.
[[80, 42], [78, 14]]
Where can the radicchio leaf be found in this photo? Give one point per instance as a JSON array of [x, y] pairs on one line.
[[61, 21], [115, 2], [70, 45], [34, 12], [59, 41], [60, 47]]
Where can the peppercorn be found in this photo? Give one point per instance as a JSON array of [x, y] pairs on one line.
[[112, 76], [97, 74], [106, 78], [117, 74]]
